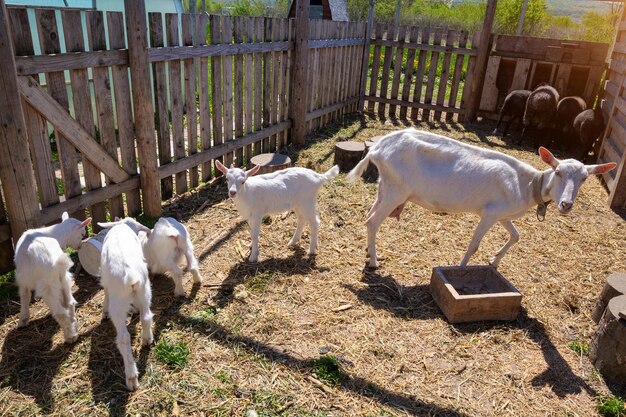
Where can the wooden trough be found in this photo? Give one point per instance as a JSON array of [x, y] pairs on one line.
[[474, 293]]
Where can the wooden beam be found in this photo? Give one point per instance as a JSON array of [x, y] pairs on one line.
[[331, 108], [220, 150], [71, 129], [484, 48], [334, 43], [299, 87], [16, 167], [425, 47], [136, 29], [201, 51], [30, 65], [418, 105], [365, 61]]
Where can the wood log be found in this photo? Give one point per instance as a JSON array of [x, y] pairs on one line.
[[270, 162], [608, 345], [348, 154], [615, 286], [371, 173]]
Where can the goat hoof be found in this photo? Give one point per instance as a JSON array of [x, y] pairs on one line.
[[71, 339], [494, 263], [147, 342], [179, 293], [374, 264], [132, 383], [253, 260], [495, 132], [23, 323]]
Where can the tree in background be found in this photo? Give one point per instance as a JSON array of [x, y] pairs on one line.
[[508, 14]]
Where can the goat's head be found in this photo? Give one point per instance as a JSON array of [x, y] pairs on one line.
[[129, 221], [569, 175], [235, 177], [165, 228], [74, 230]]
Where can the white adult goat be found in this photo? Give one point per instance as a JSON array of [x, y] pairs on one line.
[[124, 277], [43, 267], [444, 175], [164, 248], [288, 189]]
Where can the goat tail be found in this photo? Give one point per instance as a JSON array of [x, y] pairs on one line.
[[331, 173], [63, 263], [359, 169]]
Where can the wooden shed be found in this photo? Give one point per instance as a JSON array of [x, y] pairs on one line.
[[324, 9]]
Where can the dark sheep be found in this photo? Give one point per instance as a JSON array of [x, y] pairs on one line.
[[513, 106], [566, 111], [540, 112], [588, 126]]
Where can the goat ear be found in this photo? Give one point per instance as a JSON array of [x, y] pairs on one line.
[[117, 219], [600, 169], [221, 167], [107, 225], [253, 171], [86, 222], [548, 158], [64, 216]]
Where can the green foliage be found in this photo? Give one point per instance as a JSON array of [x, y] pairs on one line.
[[147, 220], [259, 281], [173, 354], [599, 27], [8, 289], [611, 406], [580, 347], [508, 13], [327, 369]]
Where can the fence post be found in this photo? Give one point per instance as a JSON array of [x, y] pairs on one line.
[[136, 29], [16, 167], [366, 54], [299, 87], [484, 48]]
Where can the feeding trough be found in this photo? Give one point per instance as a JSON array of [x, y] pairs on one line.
[[474, 293], [90, 251]]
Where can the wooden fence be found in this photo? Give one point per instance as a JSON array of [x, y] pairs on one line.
[[216, 87], [613, 147], [420, 69]]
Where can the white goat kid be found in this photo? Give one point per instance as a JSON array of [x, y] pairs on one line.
[[288, 189], [444, 175], [43, 267], [166, 247], [124, 277]]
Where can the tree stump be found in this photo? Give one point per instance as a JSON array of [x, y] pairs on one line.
[[608, 346], [348, 154], [270, 162], [371, 173], [615, 286]]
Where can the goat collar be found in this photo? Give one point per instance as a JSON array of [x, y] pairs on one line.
[[537, 186]]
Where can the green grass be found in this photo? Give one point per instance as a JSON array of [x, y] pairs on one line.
[[327, 369], [147, 220], [579, 346], [258, 282], [8, 289], [201, 317], [174, 354], [611, 406]]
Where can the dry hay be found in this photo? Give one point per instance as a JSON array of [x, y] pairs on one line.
[[397, 353]]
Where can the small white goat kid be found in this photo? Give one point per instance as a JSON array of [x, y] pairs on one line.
[[444, 175], [288, 189], [43, 267], [165, 247], [124, 277]]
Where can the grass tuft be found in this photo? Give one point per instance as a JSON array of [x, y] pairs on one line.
[[8, 289], [259, 281], [147, 220], [327, 369], [174, 354], [581, 347], [611, 406]]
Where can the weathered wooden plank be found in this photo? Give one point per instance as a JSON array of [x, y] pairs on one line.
[[202, 21], [124, 110], [81, 98], [334, 43], [456, 78], [426, 47], [489, 96], [55, 81], [384, 90], [16, 172], [469, 77], [395, 84], [373, 87], [331, 108], [223, 149], [184, 52], [432, 74], [414, 105], [176, 101], [36, 125], [451, 38], [238, 88], [34, 64], [258, 84], [299, 90], [216, 85], [104, 101], [227, 68], [520, 77], [562, 78], [314, 74], [593, 83], [135, 12], [285, 70], [191, 111], [421, 69], [267, 83], [249, 86], [344, 66], [326, 75], [367, 34], [159, 77], [408, 74]]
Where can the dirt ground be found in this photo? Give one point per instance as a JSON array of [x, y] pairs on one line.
[[255, 330]]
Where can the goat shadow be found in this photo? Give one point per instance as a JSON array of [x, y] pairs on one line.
[[297, 263], [30, 361]]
